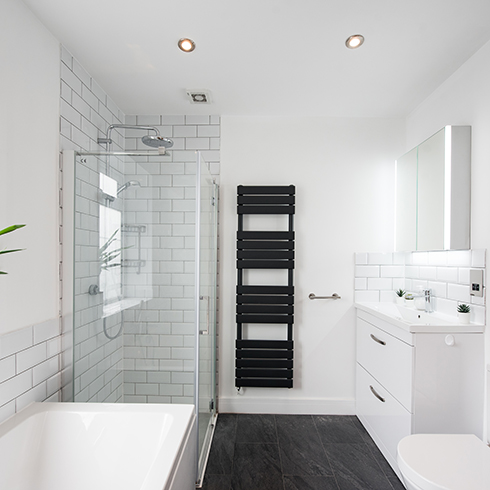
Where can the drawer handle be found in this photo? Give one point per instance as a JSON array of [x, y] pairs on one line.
[[382, 342], [376, 394]]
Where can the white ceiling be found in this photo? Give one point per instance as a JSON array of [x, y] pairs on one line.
[[269, 57]]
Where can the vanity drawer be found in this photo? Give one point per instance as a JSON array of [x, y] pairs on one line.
[[388, 359], [386, 420]]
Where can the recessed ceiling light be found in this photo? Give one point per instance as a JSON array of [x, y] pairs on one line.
[[187, 45], [354, 41]]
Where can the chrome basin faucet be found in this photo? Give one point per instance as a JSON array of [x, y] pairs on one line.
[[428, 300]]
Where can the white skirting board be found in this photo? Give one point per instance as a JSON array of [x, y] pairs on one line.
[[312, 406]]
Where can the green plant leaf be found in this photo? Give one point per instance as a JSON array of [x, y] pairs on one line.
[[10, 251], [10, 229]]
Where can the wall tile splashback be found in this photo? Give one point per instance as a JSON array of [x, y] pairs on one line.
[[447, 273], [29, 367]]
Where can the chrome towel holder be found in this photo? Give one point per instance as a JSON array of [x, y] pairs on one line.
[[314, 296]]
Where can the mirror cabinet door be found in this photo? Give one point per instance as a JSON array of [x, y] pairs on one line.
[[432, 209], [406, 202]]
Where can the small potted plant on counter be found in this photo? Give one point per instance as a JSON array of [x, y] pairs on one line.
[[400, 293], [409, 300], [464, 313]]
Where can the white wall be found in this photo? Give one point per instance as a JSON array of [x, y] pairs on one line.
[[29, 101], [344, 176], [464, 99], [29, 133]]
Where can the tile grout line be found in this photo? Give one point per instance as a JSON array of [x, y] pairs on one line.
[[325, 452]]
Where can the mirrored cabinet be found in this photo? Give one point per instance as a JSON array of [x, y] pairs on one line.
[[433, 193]]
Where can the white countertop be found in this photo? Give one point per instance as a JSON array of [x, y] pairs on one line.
[[416, 321]]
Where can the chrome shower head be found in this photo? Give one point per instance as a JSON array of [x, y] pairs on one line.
[[157, 141], [128, 184]]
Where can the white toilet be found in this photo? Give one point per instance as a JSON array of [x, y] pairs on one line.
[[444, 462]]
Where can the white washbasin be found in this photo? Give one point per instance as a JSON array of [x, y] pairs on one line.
[[416, 320]]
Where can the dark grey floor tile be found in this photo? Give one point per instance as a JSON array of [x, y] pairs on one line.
[[310, 483], [300, 446], [220, 460], [381, 460], [355, 468], [338, 429], [364, 433], [256, 428], [217, 482], [396, 483], [256, 466]]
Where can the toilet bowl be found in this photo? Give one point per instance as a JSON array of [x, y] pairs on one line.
[[444, 462]]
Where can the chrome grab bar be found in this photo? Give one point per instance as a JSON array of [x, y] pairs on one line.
[[376, 395], [314, 296], [382, 342]]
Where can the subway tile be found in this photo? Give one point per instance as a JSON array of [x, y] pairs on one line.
[[380, 258], [392, 271], [197, 143], [45, 370], [478, 258], [66, 57], [14, 387], [463, 275], [214, 143], [361, 258], [386, 296], [13, 342], [7, 368], [420, 258], [439, 289], [149, 120], [458, 292], [208, 131], [459, 258], [426, 272], [71, 79], [367, 271], [7, 411], [360, 283], [447, 274], [197, 119], [28, 358], [81, 73], [380, 283], [438, 258], [412, 271], [185, 131], [214, 120], [46, 330], [37, 394]]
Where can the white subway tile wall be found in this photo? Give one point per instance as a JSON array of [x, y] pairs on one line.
[[30, 366], [445, 272], [86, 111], [159, 333]]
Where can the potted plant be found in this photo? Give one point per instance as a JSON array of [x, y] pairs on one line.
[[400, 293], [409, 300], [464, 313], [9, 229]]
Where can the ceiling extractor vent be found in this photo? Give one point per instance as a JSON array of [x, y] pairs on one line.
[[199, 96]]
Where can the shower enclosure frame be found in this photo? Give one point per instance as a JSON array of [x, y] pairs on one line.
[[67, 296]]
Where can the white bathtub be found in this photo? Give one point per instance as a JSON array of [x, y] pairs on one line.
[[99, 446]]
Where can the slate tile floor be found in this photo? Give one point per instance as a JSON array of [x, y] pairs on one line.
[[295, 452]]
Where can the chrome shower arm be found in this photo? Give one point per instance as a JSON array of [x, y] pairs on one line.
[[108, 140]]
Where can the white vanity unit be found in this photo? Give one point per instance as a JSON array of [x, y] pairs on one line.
[[417, 372]]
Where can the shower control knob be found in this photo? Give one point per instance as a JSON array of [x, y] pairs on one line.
[[93, 289]]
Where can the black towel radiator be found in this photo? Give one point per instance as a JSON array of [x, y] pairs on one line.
[[265, 363]]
